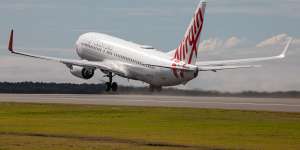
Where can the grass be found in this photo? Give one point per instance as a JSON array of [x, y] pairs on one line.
[[56, 126]]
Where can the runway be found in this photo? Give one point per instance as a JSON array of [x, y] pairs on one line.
[[265, 104]]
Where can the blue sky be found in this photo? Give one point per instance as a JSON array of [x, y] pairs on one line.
[[233, 28]]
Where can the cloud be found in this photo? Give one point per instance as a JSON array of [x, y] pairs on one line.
[[217, 43], [211, 44], [280, 75], [275, 40], [232, 42], [275, 75]]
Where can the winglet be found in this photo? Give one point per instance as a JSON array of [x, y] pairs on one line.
[[11, 41], [282, 55]]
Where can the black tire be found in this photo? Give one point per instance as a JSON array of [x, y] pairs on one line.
[[108, 87], [114, 86]]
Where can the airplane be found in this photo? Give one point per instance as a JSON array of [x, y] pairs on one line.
[[115, 56]]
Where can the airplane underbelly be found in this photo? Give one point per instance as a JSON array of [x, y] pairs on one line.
[[171, 80], [162, 77], [140, 73]]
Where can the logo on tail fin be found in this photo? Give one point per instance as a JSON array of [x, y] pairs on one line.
[[188, 48]]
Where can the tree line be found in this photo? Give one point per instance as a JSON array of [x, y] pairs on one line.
[[69, 88]]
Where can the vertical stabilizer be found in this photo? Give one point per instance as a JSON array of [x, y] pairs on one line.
[[187, 50]]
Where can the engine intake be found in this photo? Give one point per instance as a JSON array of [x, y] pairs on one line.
[[81, 72]]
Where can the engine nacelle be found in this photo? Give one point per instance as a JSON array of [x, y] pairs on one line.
[[81, 72]]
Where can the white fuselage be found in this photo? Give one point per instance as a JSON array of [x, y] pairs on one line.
[[132, 60]]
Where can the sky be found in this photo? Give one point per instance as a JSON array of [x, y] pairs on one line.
[[232, 29]]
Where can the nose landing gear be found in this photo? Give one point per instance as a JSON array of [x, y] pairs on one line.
[[111, 86]]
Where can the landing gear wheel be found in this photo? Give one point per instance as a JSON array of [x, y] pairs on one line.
[[108, 86], [111, 85], [114, 86]]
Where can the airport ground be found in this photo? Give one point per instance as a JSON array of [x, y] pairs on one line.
[[40, 124], [264, 104]]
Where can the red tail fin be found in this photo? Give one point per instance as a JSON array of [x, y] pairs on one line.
[[188, 48]]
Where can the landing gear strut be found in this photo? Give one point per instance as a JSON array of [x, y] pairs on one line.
[[111, 85]]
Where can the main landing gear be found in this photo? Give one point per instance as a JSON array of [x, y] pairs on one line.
[[111, 86]]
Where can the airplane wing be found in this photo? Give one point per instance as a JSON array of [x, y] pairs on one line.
[[67, 62], [103, 65], [232, 64], [216, 68]]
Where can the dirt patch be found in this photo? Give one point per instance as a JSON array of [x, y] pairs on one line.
[[111, 140]]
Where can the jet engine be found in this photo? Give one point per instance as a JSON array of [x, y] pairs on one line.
[[81, 72]]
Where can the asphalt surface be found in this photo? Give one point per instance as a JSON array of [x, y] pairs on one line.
[[266, 104]]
